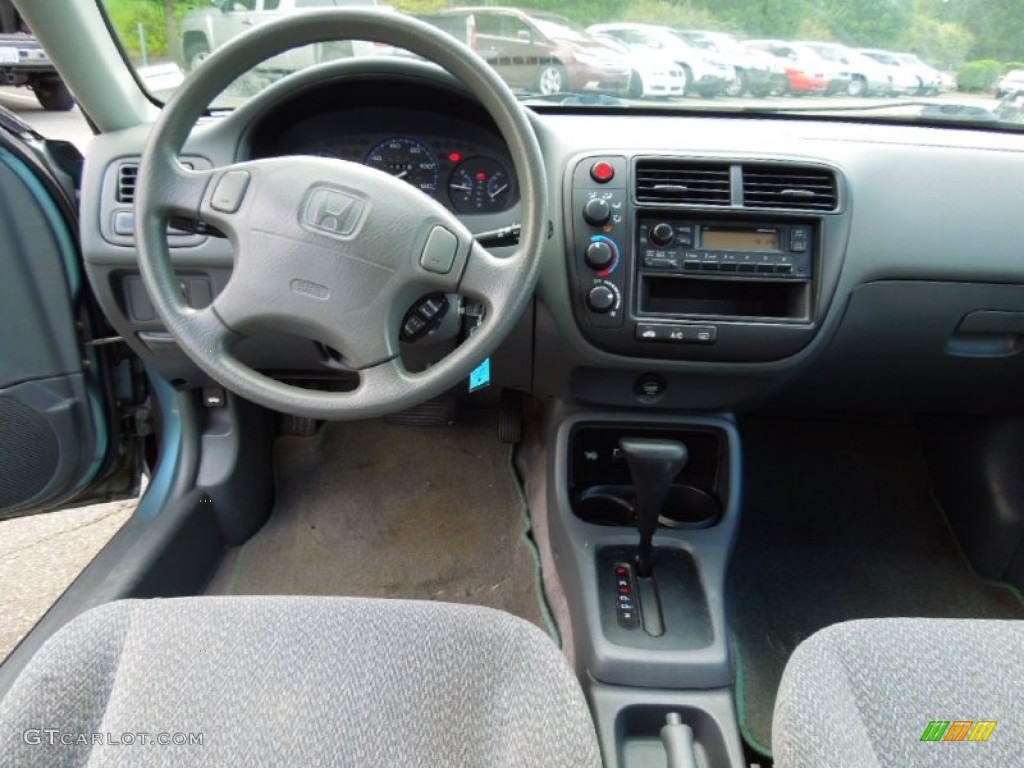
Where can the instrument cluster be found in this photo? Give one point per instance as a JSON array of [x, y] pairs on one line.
[[467, 177]]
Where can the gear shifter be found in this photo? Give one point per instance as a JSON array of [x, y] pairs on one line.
[[653, 464]]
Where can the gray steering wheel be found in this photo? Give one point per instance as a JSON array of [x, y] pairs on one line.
[[332, 250]]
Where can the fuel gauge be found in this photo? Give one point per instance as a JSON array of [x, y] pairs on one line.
[[480, 185]]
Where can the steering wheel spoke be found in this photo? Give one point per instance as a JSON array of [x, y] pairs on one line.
[[489, 278], [181, 191]]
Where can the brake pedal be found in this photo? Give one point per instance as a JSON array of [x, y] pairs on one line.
[[439, 412]]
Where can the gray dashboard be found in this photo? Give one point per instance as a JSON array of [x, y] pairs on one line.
[[915, 299]]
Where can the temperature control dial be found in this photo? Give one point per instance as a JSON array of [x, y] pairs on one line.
[[599, 254]]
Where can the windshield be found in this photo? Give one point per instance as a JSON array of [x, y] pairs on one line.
[[559, 28], [942, 61]]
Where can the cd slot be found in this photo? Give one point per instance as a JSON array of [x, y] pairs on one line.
[[679, 295]]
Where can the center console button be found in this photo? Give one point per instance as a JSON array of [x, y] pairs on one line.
[[600, 298], [649, 387], [597, 211]]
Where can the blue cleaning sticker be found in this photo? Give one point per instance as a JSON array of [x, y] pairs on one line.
[[481, 376]]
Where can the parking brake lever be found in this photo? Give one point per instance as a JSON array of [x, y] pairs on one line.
[[653, 464]]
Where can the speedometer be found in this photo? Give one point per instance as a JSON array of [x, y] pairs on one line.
[[408, 160]]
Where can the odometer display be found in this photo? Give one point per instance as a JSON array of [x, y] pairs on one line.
[[408, 160]]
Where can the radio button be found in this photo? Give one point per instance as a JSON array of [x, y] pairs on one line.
[[729, 266], [799, 239], [662, 234], [661, 260], [709, 266], [784, 269], [765, 268]]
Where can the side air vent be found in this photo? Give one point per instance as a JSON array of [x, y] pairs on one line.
[[127, 175], [682, 181], [788, 186]]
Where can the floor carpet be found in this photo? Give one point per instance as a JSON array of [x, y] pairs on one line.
[[839, 523], [371, 509]]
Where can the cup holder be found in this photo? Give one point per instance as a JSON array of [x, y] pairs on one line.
[[686, 506]]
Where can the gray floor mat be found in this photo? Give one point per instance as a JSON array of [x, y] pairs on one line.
[[373, 510], [838, 523]]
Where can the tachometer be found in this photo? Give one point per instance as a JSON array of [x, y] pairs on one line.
[[408, 160], [479, 185]]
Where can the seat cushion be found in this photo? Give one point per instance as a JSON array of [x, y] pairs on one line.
[[297, 681], [863, 693]]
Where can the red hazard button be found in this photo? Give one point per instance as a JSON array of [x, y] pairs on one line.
[[602, 172]]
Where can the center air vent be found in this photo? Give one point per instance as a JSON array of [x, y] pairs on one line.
[[787, 186], [127, 175], [675, 181]]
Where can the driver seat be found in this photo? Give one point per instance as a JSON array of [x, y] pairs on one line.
[[297, 681]]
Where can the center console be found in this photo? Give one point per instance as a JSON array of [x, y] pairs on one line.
[[643, 512], [683, 259]]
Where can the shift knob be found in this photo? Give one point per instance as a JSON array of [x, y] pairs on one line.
[[654, 464]]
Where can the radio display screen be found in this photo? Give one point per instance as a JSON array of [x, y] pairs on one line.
[[740, 239]]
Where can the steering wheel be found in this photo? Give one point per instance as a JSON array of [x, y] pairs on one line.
[[332, 250]]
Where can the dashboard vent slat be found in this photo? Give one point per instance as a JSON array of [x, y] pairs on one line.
[[682, 181], [787, 186], [127, 175]]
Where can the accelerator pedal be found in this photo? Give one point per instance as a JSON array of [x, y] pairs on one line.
[[510, 416]]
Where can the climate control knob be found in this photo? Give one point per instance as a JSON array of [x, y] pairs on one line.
[[662, 234], [599, 254], [601, 298], [597, 211]]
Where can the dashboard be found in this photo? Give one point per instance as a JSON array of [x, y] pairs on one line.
[[826, 263]]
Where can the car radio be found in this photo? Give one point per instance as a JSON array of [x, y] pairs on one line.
[[736, 250], [655, 281]]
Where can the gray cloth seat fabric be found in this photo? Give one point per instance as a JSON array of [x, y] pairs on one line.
[[862, 693], [298, 681]]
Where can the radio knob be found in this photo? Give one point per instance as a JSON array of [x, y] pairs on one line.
[[597, 211], [662, 234], [599, 255], [601, 298]]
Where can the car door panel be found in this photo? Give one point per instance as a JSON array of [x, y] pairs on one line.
[[55, 434]]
